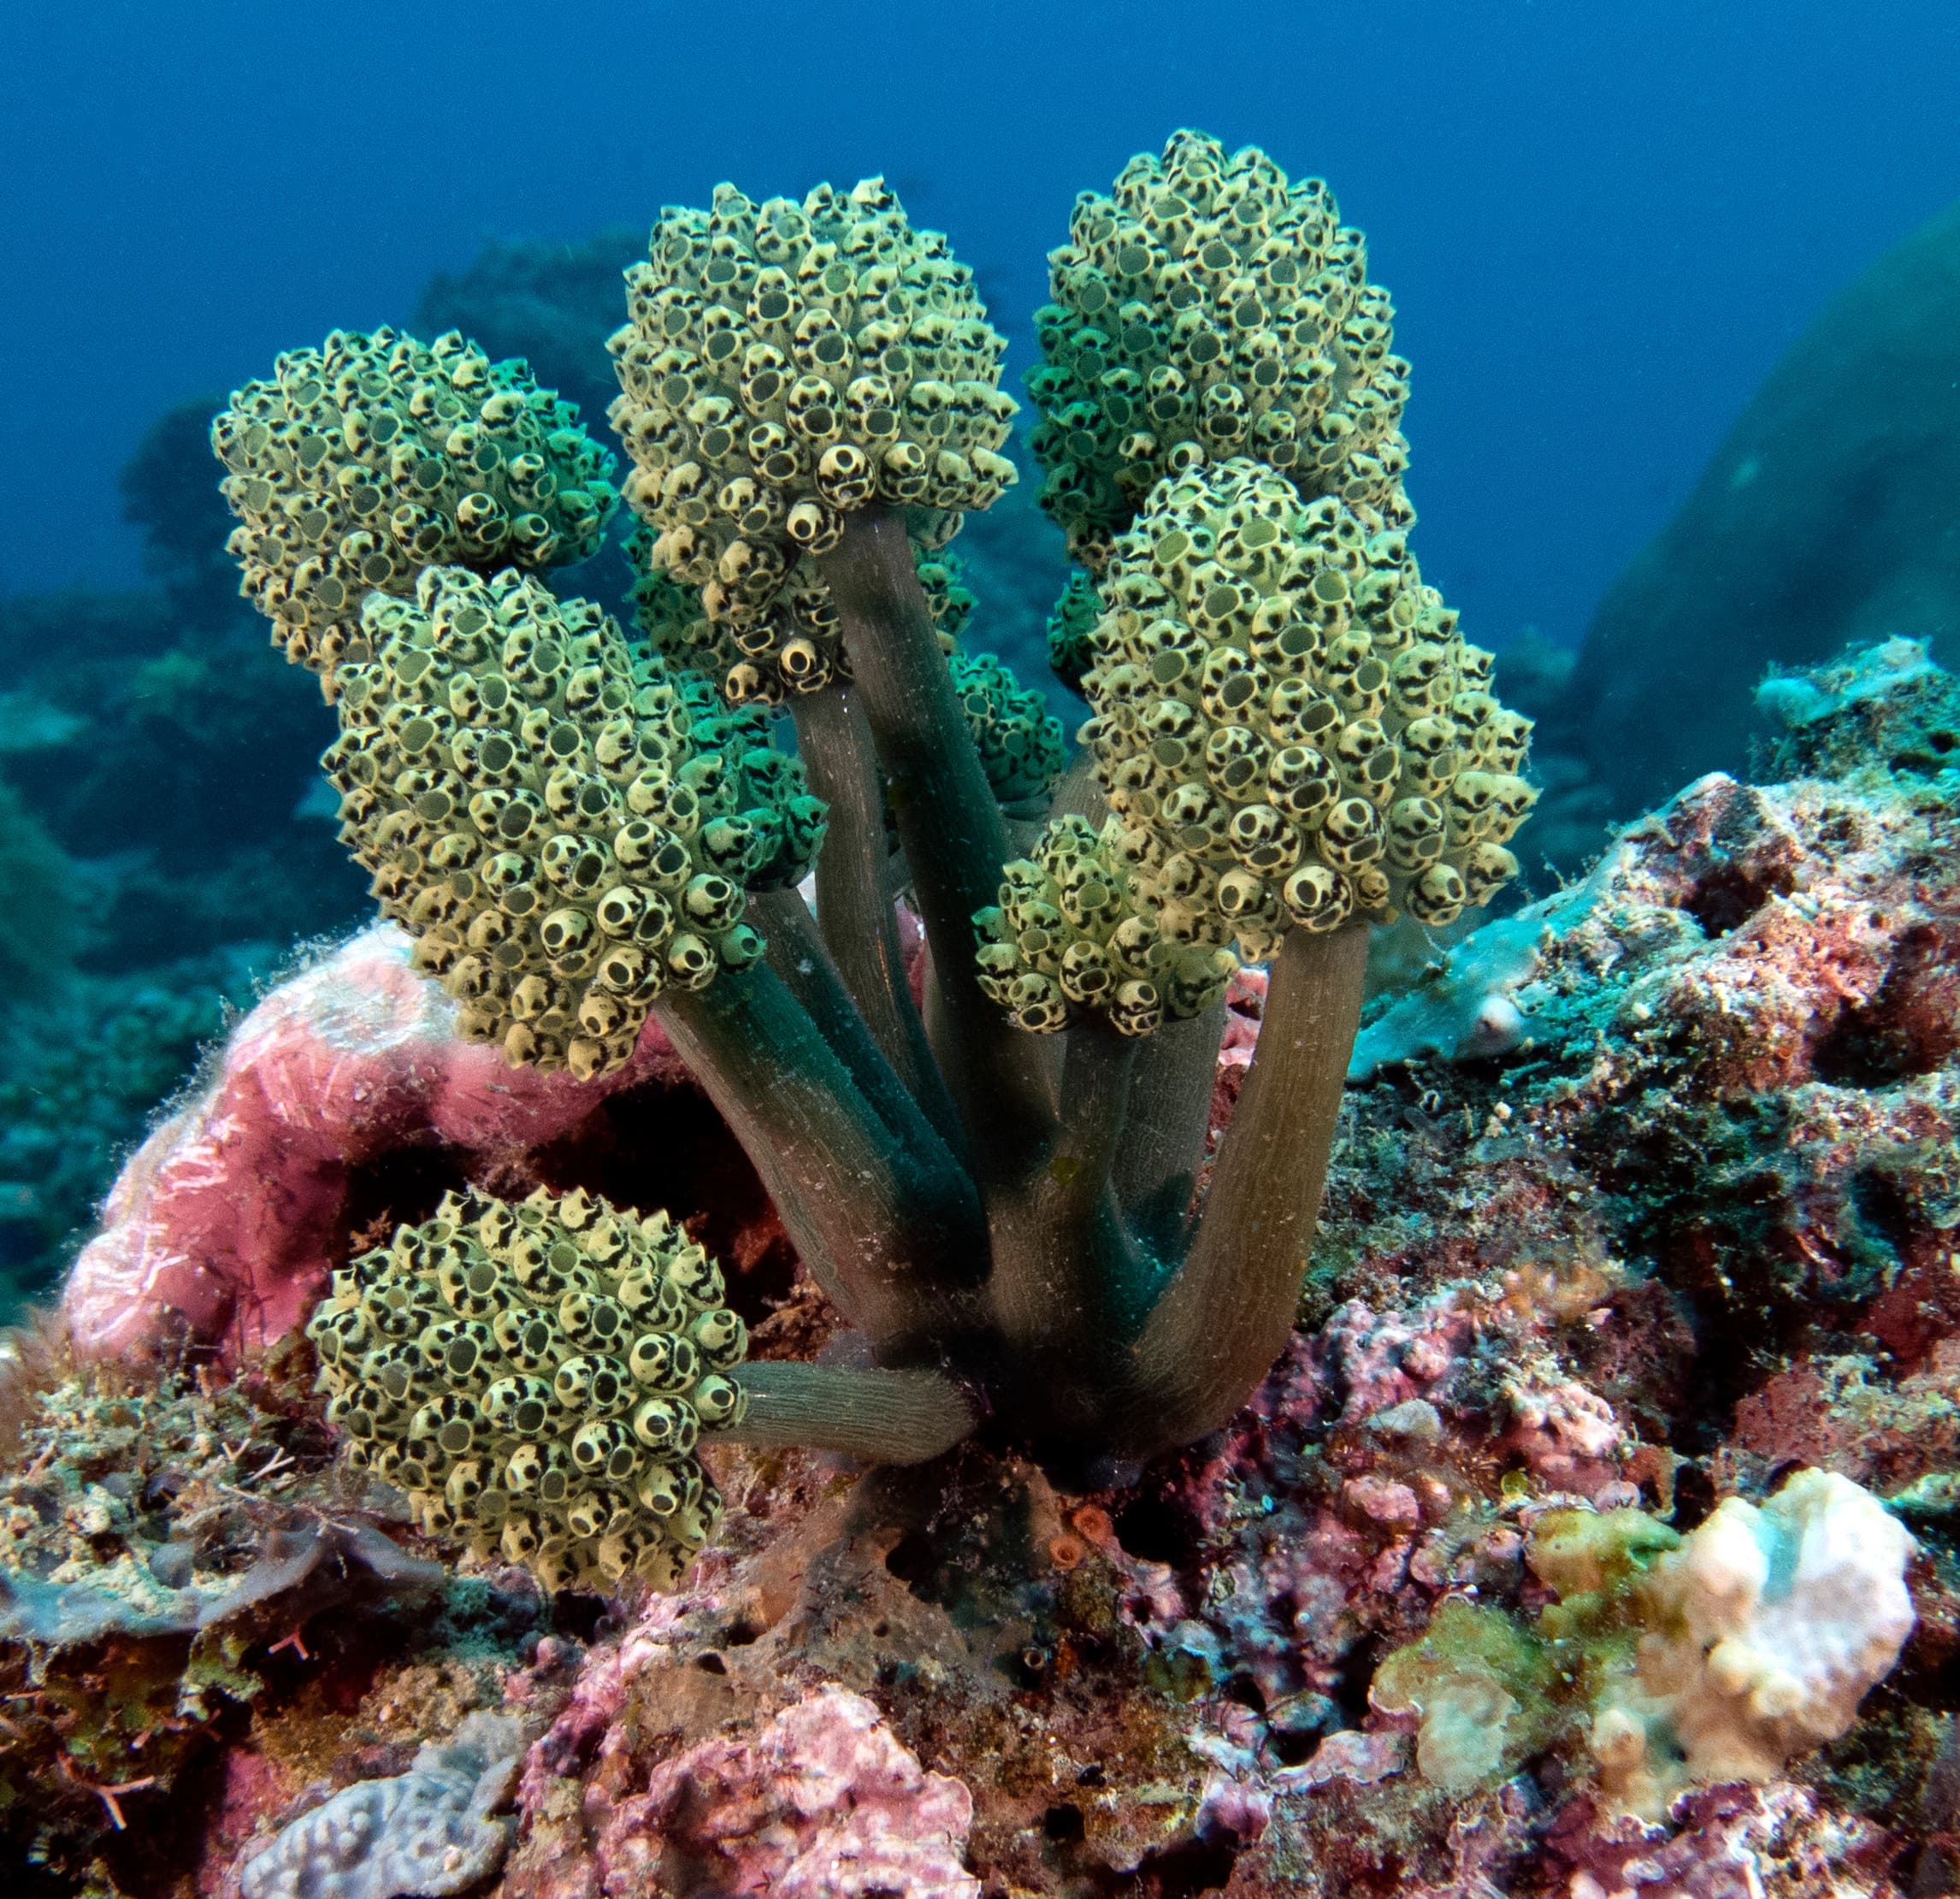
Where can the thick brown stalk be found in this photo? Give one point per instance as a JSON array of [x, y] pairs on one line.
[[882, 1230], [955, 841], [854, 889], [1053, 1283], [1225, 1315], [1165, 1130], [885, 1417]]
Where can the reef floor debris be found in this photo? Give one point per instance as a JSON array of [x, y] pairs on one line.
[[1676, 1270]]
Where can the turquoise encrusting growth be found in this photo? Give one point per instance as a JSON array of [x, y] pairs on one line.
[[1289, 741]]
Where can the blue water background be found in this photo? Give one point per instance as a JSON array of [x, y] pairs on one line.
[[1601, 224]]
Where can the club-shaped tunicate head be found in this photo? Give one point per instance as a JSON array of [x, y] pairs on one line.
[[795, 646], [357, 464], [784, 364], [1069, 939], [1019, 741], [1207, 308], [565, 830], [1287, 723], [536, 1376]]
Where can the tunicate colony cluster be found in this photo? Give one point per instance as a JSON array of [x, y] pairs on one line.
[[535, 1378], [1288, 732], [786, 364], [364, 462], [1288, 726], [565, 830]]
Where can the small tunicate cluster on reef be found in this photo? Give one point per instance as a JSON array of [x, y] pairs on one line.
[[1019, 741], [786, 364], [1068, 938], [1287, 722], [565, 830], [535, 1378], [365, 461], [1072, 630], [427, 1832], [1210, 308]]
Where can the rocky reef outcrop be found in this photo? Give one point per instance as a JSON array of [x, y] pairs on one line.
[[1648, 1269]]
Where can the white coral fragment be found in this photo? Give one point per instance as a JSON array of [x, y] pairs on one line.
[[1767, 1626]]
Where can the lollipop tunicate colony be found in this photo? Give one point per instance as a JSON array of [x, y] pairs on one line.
[[535, 1378], [785, 364], [1208, 308], [565, 827], [359, 463], [1290, 732]]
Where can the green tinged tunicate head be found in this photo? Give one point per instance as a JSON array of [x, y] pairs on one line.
[[1019, 741], [1068, 940], [785, 364], [365, 461], [1209, 308], [796, 648], [1072, 630], [565, 830], [1021, 745], [536, 1376], [1287, 722]]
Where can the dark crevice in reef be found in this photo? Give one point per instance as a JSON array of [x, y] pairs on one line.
[[1727, 895], [1694, 1497], [1730, 1358], [403, 1187], [1157, 1530], [1908, 1028], [1881, 1218], [1187, 1869], [656, 1146], [1350, 1690]]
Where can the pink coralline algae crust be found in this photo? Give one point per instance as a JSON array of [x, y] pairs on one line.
[[822, 1803], [226, 1222]]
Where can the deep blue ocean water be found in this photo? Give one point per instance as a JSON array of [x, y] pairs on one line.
[[1601, 224]]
